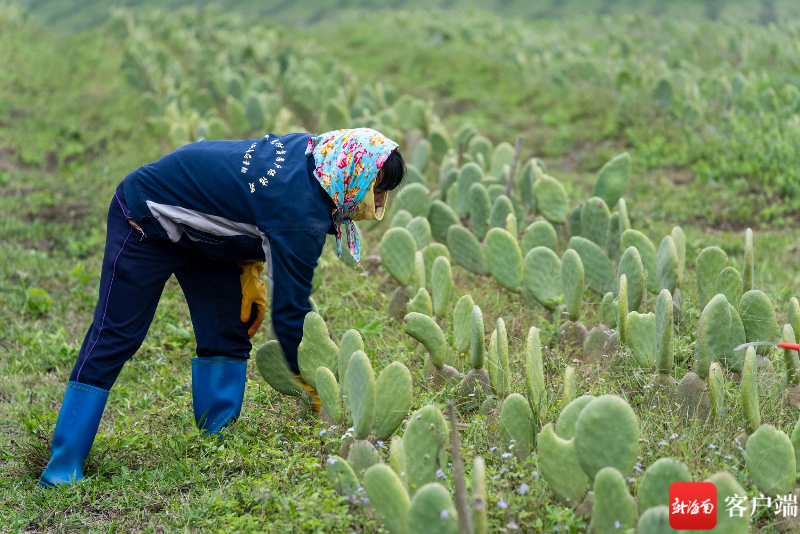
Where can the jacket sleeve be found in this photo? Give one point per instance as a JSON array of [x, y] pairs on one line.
[[293, 256]]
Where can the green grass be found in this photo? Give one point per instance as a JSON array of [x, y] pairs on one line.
[[70, 129]]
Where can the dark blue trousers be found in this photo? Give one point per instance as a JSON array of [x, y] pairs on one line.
[[135, 269]]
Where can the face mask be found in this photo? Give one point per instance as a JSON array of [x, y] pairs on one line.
[[366, 209]]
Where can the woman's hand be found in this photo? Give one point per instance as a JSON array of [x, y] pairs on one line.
[[253, 292]]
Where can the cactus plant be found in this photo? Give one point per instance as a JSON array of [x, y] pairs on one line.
[[572, 281], [667, 265], [426, 331], [442, 286], [534, 374], [539, 234], [398, 249], [503, 154], [541, 276], [440, 141], [613, 240], [351, 342], [479, 210], [451, 197], [679, 238], [316, 348], [608, 310], [469, 174], [716, 390], [710, 262], [599, 272], [478, 345], [748, 270], [640, 333], [570, 388], [421, 154], [793, 315], [752, 410], [631, 266], [418, 281], [599, 342], [504, 258], [362, 456], [441, 217], [607, 435], [421, 303], [394, 400], [595, 217], [272, 366], [654, 520], [415, 198], [729, 283], [432, 511], [429, 255], [480, 524], [574, 220], [387, 495], [341, 476], [254, 111], [420, 229], [770, 460], [425, 443], [622, 311], [758, 318], [511, 225], [790, 357], [613, 179], [551, 199], [480, 145], [613, 508], [713, 332], [648, 254], [518, 426], [663, 328], [329, 394], [462, 323], [362, 394], [497, 360], [560, 467], [565, 426], [655, 483], [734, 359], [466, 249], [500, 210], [728, 523], [397, 458]]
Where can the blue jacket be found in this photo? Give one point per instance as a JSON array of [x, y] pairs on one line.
[[251, 200]]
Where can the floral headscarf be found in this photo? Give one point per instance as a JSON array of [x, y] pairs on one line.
[[346, 165]]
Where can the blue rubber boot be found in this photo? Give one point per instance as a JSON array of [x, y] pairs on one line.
[[217, 391], [75, 430]]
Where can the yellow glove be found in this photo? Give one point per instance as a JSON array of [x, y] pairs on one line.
[[253, 291]]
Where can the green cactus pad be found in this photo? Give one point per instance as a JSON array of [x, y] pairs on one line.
[[648, 254], [316, 349], [541, 275], [452, 198], [748, 271], [351, 342], [713, 333], [679, 238], [716, 390], [560, 467], [511, 225], [758, 318], [441, 217], [419, 271], [574, 220], [470, 173], [607, 434], [464, 135], [466, 249], [415, 198], [570, 388], [361, 394], [462, 324], [667, 265], [363, 455], [534, 374], [329, 395], [421, 303], [663, 327], [517, 424], [479, 210], [655, 520], [624, 220], [420, 230], [608, 310], [793, 315], [551, 199], [421, 154], [429, 255], [597, 344], [393, 400], [728, 523], [631, 266], [398, 249], [480, 145], [613, 179], [655, 483], [599, 272], [425, 443], [539, 234], [500, 210], [273, 368], [503, 154], [397, 458], [478, 344], [387, 495], [426, 331], [613, 509], [614, 237], [480, 524], [565, 426], [771, 462], [400, 219], [640, 333], [729, 283], [710, 262], [595, 217], [497, 364], [572, 283], [432, 511], [750, 405], [734, 359], [622, 311], [790, 358], [442, 286], [796, 442], [440, 141], [341, 476], [504, 258]]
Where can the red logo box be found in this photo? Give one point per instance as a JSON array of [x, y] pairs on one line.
[[692, 506]]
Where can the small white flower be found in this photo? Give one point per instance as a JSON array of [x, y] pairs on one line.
[[492, 449], [502, 504], [379, 443], [440, 474], [523, 489], [323, 432], [617, 524], [444, 515]]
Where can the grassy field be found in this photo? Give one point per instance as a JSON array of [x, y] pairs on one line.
[[71, 127]]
